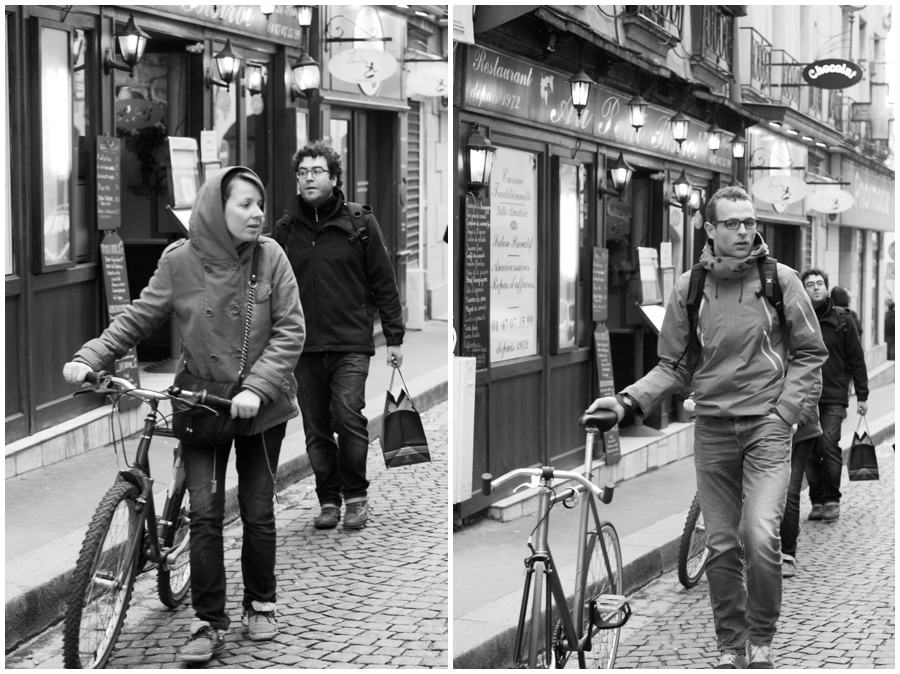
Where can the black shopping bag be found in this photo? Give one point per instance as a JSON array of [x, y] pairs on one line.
[[863, 465], [403, 440]]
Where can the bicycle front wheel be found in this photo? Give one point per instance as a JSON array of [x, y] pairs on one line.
[[533, 642], [173, 579], [692, 553], [103, 580], [603, 578]]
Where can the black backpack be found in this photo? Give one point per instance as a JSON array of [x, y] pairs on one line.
[[360, 233]]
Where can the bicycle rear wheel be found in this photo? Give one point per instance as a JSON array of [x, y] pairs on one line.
[[603, 577], [173, 580], [103, 580], [692, 553], [533, 641]]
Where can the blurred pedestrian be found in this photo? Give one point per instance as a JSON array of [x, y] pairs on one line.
[[841, 298], [747, 399], [889, 329], [846, 359], [345, 275]]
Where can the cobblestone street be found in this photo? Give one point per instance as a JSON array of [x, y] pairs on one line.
[[837, 612], [376, 597]]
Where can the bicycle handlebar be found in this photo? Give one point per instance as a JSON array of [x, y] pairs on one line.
[[198, 397], [605, 494]]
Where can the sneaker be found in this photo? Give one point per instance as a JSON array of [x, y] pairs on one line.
[[357, 515], [760, 656], [206, 641], [732, 660], [818, 510], [788, 566], [832, 511], [329, 517], [260, 619]]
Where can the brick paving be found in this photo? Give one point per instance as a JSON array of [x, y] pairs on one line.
[[837, 612], [371, 598]]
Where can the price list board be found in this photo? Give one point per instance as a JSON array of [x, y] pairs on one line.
[[603, 355], [475, 283], [118, 297], [600, 284], [109, 178]]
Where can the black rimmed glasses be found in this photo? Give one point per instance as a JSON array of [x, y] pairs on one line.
[[749, 223], [317, 172]]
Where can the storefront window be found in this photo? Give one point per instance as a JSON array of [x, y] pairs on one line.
[[514, 270], [257, 132], [340, 141], [302, 127], [572, 216], [225, 125], [81, 197], [10, 267]]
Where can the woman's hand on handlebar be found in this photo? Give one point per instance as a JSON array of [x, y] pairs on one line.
[[607, 403], [75, 373], [245, 405]]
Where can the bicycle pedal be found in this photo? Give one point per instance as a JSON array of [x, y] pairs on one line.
[[608, 603]]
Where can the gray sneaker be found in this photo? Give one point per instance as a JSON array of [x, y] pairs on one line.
[[732, 660], [329, 517], [818, 510], [206, 641], [260, 619], [760, 656], [357, 514], [832, 511], [788, 566]]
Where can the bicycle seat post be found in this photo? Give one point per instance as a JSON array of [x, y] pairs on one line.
[[590, 441]]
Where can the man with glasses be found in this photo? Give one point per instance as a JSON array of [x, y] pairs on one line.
[[344, 273], [748, 397], [846, 359]]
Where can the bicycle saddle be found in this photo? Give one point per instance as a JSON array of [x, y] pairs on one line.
[[602, 420]]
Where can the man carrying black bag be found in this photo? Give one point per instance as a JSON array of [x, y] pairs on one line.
[[344, 273]]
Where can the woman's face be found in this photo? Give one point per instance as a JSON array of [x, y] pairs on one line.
[[244, 213]]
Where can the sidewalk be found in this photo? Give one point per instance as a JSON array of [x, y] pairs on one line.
[[648, 511], [48, 509]]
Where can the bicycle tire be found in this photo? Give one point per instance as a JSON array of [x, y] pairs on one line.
[[597, 580], [535, 648], [692, 552], [173, 581], [103, 580]]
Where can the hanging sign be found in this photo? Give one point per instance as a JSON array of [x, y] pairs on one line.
[[430, 80], [138, 113], [780, 189], [830, 200], [832, 74], [362, 66]]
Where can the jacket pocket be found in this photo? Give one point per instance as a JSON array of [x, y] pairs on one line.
[[263, 293]]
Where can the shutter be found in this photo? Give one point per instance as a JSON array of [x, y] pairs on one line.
[[413, 177]]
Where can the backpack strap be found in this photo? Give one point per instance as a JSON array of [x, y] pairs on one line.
[[282, 227], [842, 318], [770, 286], [692, 306], [360, 231]]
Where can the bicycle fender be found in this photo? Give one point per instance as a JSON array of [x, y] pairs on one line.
[[128, 476]]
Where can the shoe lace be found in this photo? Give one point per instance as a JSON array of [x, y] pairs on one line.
[[268, 616], [758, 653], [728, 659], [205, 632], [357, 508]]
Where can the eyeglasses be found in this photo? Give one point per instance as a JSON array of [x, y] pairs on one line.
[[749, 223], [817, 284], [317, 172]]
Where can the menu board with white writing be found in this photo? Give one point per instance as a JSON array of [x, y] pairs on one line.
[[514, 255], [118, 297], [109, 178], [476, 280], [603, 356]]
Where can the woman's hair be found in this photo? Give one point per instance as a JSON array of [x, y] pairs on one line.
[[228, 183], [319, 149]]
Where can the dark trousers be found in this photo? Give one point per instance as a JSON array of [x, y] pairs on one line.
[[790, 523], [332, 394], [823, 470], [255, 492]]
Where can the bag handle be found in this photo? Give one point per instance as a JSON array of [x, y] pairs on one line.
[[862, 421], [396, 370], [251, 297]]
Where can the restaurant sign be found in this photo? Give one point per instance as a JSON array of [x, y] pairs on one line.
[[281, 26], [832, 74], [501, 84]]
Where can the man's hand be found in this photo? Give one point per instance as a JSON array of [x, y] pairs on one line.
[[862, 408], [607, 403], [394, 356], [75, 373], [245, 405]]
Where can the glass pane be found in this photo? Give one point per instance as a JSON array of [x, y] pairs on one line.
[[340, 141], [225, 125], [10, 268], [302, 122], [82, 211], [56, 155], [257, 132], [514, 269], [569, 221]]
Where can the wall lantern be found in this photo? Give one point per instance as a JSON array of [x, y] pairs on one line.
[[621, 173], [696, 198], [254, 75], [306, 72], [304, 15], [266, 10], [682, 189], [580, 85], [229, 66], [131, 44], [480, 154], [637, 109], [680, 125], [714, 138], [739, 145]]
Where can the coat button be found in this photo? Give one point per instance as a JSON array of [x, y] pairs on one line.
[[214, 358], [286, 386], [209, 312], [237, 353], [235, 309], [235, 266], [207, 268]]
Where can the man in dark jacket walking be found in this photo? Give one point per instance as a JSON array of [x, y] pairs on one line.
[[344, 273], [846, 358]]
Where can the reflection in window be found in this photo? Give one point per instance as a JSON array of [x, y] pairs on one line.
[[340, 141], [572, 217], [225, 110], [57, 145], [10, 267], [82, 202], [257, 132]]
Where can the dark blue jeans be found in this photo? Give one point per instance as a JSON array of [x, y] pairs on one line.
[[255, 492], [332, 394], [790, 523], [823, 470]]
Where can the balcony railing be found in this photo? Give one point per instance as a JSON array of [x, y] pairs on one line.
[[760, 55], [816, 102], [668, 17], [718, 36], [786, 74]]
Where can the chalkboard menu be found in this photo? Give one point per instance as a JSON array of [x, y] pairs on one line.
[[118, 297], [599, 284], [603, 355], [475, 335], [109, 201]]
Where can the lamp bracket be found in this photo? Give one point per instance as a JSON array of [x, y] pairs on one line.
[[576, 148], [604, 191], [338, 33], [110, 64], [211, 81], [756, 161]]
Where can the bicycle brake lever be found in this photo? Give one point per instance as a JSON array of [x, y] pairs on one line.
[[534, 483]]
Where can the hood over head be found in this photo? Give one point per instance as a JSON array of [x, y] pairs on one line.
[[208, 232]]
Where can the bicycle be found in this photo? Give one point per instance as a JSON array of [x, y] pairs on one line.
[[692, 552], [599, 607], [126, 538]]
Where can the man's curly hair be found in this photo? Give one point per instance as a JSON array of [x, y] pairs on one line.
[[319, 149]]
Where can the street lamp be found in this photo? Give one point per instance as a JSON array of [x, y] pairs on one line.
[[228, 64], [738, 145], [306, 72], [621, 172], [266, 10], [637, 110], [480, 154], [580, 86], [682, 189], [304, 15], [254, 73], [131, 44], [680, 126], [714, 138]]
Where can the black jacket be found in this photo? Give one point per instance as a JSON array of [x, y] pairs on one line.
[[846, 358], [342, 279]]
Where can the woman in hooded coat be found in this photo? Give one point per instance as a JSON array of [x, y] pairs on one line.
[[203, 281]]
